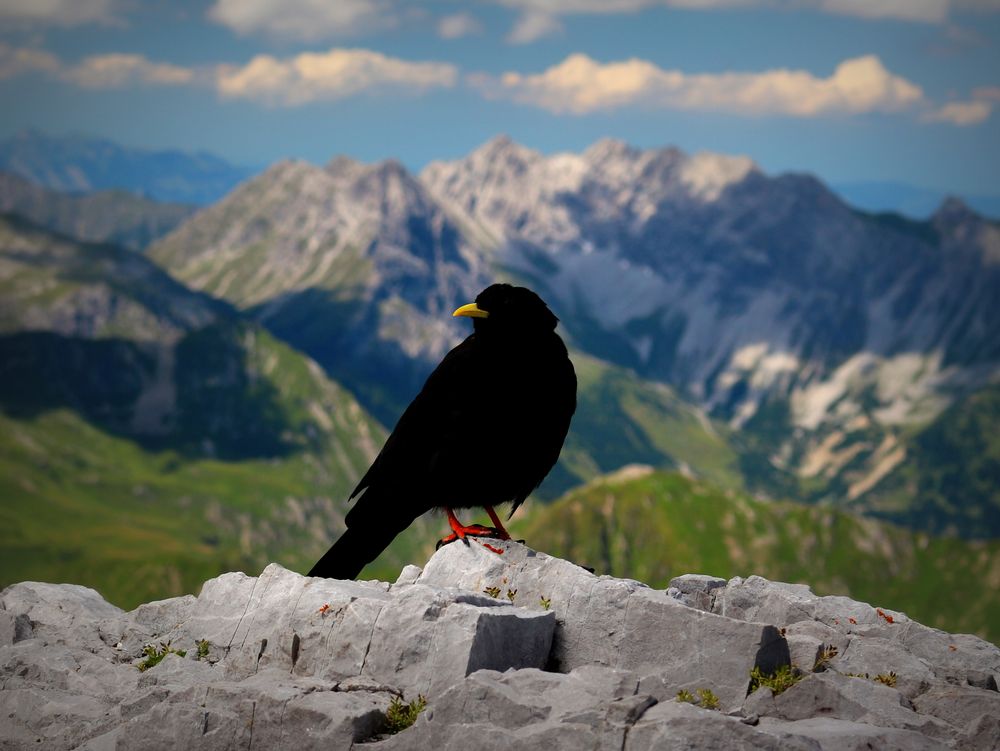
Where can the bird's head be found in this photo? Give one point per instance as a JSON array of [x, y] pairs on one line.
[[503, 309]]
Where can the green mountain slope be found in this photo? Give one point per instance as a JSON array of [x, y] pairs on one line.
[[951, 482], [115, 216], [151, 437], [649, 424], [652, 526]]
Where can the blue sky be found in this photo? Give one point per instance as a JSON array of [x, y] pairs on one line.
[[902, 90]]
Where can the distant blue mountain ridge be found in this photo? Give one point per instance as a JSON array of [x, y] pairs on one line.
[[81, 164], [909, 200]]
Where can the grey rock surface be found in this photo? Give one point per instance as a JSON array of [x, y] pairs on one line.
[[618, 623], [516, 650]]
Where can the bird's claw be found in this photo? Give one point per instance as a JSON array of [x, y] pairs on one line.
[[473, 530]]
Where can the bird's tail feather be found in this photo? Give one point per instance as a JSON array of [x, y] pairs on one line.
[[361, 543]]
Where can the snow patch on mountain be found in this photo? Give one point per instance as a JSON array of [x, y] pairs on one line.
[[889, 455], [909, 387], [760, 369], [706, 174]]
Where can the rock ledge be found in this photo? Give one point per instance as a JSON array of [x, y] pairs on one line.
[[516, 649]]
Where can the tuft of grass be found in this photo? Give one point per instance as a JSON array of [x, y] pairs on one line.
[[886, 679], [511, 594], [545, 602], [155, 656], [781, 679], [203, 647], [400, 714], [492, 591], [823, 658], [707, 699]]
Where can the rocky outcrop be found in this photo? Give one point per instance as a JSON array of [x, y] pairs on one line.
[[514, 649]]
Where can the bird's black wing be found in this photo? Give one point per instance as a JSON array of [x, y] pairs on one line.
[[446, 411], [550, 406], [400, 485]]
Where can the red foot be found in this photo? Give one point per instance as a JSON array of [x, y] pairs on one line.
[[460, 531]]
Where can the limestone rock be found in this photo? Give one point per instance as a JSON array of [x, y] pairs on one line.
[[516, 650], [618, 623]]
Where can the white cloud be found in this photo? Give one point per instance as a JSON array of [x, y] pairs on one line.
[[328, 76], [458, 25], [969, 112], [117, 70], [541, 17], [926, 11], [990, 93], [532, 26], [305, 20], [97, 71], [57, 12], [17, 61], [961, 113], [304, 78], [581, 85]]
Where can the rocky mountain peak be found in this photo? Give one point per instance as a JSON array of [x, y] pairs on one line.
[[505, 150], [383, 186], [389, 176], [344, 166], [610, 149], [280, 171]]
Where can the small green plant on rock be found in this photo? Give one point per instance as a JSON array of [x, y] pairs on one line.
[[886, 679], [707, 699], [155, 656], [203, 647], [511, 594], [545, 602], [400, 714], [492, 591], [823, 658], [781, 679]]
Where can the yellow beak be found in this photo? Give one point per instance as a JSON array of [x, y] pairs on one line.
[[471, 311]]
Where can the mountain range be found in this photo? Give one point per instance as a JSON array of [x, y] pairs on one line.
[[825, 338], [206, 401]]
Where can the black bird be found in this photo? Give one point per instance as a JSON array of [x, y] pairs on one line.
[[485, 429]]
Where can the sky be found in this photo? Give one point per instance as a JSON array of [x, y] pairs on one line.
[[850, 90]]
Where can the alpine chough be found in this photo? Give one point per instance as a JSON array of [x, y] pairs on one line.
[[485, 430]]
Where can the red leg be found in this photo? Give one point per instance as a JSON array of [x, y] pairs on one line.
[[503, 534]]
